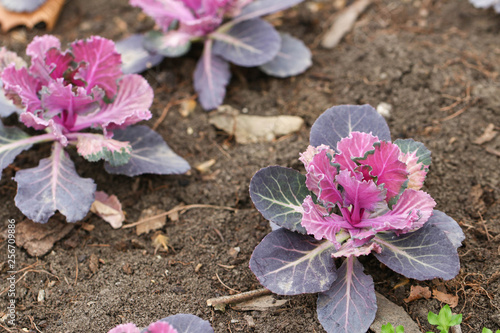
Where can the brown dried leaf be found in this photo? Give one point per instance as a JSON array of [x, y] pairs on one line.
[[451, 300], [37, 238], [108, 208], [418, 292], [252, 129], [156, 222], [48, 13], [93, 263], [488, 135], [160, 240], [263, 303]]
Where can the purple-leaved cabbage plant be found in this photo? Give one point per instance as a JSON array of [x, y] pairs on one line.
[[232, 32], [487, 4], [77, 97], [179, 323], [361, 194]]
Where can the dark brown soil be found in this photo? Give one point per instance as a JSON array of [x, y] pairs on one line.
[[420, 56]]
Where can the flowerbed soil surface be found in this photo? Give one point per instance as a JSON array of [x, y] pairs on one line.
[[436, 62]]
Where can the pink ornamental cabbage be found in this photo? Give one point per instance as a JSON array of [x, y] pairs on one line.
[[179, 323], [77, 89], [67, 94], [184, 20], [363, 190], [158, 327], [231, 31]]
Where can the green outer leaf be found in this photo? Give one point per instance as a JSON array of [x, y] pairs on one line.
[[410, 145], [400, 329], [432, 318], [278, 193], [115, 158], [154, 42], [388, 328], [12, 142]]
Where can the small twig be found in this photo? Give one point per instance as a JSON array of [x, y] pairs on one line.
[[174, 210], [242, 297], [76, 274], [25, 273], [163, 115], [225, 285], [488, 236], [32, 320], [5, 328]]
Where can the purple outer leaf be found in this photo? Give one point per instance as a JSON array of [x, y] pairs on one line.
[[135, 58], [150, 154], [54, 185], [22, 5], [264, 7], [449, 226], [248, 43], [10, 145], [350, 305], [211, 77], [293, 58], [278, 193], [339, 121], [424, 254], [156, 41], [187, 323], [288, 263]]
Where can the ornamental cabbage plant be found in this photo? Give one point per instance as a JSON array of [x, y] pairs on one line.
[[361, 194], [487, 4], [231, 31], [179, 323], [77, 98]]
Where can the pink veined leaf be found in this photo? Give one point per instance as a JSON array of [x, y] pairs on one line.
[[164, 12], [386, 166], [125, 328], [161, 327], [356, 145], [58, 62], [21, 83], [130, 106], [101, 64], [37, 50], [320, 179], [359, 193], [350, 248], [411, 212], [319, 223], [58, 98], [307, 156], [416, 171]]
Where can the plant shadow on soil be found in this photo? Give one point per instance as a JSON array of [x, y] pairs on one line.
[[420, 56]]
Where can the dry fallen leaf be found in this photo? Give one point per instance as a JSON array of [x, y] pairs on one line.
[[344, 23], [252, 129], [451, 300], [204, 167], [263, 303], [155, 222], [160, 240], [93, 263], [48, 13], [38, 238], [418, 292], [488, 135], [108, 208]]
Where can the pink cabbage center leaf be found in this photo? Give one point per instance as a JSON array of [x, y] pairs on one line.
[[125, 328], [353, 193]]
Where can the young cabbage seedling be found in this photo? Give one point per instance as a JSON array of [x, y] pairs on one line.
[[388, 328], [361, 194], [445, 319], [78, 97], [179, 323], [232, 32]]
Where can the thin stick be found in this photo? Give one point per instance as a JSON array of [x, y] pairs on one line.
[[76, 274], [242, 297], [174, 210], [225, 285], [163, 115]]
